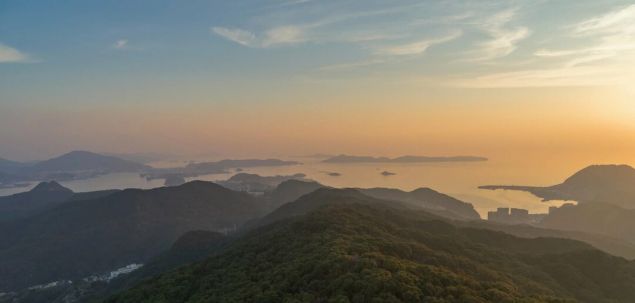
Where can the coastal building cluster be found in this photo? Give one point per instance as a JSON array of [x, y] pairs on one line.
[[508, 215]]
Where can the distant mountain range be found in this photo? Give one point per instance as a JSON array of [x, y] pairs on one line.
[[8, 180], [428, 199], [84, 164], [74, 161], [256, 183], [73, 165], [52, 233], [42, 197], [294, 230], [10, 166], [402, 159], [611, 184], [87, 161], [289, 191], [80, 238], [142, 157], [606, 202], [342, 246], [217, 167], [596, 218], [422, 198]]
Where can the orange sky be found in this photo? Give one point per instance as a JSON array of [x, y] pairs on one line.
[[493, 78], [595, 122]]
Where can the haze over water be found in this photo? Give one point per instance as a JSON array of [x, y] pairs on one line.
[[542, 94], [459, 179]]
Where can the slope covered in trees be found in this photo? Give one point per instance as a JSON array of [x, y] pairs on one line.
[[82, 238], [368, 251]]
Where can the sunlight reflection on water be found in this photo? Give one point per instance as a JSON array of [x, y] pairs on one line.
[[460, 180]]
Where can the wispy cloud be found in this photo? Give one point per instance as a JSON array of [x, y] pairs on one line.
[[419, 47], [547, 77], [394, 53], [306, 30], [294, 2], [11, 55], [610, 45], [619, 21], [504, 39], [377, 35], [289, 34], [120, 44], [273, 37], [613, 33], [237, 35]]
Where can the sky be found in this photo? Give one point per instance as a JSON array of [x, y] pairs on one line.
[[291, 77]]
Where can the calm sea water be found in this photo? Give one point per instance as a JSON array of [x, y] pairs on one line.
[[460, 180]]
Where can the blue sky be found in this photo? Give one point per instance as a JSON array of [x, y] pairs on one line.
[[174, 54], [44, 42]]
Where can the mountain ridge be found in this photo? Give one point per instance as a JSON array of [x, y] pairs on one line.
[[85, 160], [79, 238], [352, 252], [613, 184]]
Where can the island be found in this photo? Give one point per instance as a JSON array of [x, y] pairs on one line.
[[606, 184], [402, 159], [332, 174]]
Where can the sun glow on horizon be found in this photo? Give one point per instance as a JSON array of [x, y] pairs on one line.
[[409, 77]]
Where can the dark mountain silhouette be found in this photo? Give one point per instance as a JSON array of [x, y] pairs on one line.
[[609, 244], [4, 162], [594, 218], [431, 200], [81, 238], [43, 196], [73, 165], [191, 247], [424, 198], [402, 159], [9, 172], [451, 208], [8, 166], [358, 249], [613, 184], [244, 163], [289, 191], [50, 187], [319, 198], [223, 165], [219, 167], [87, 161], [91, 195], [256, 183], [144, 158], [268, 180]]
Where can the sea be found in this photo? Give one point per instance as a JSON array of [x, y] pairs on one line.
[[458, 179]]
